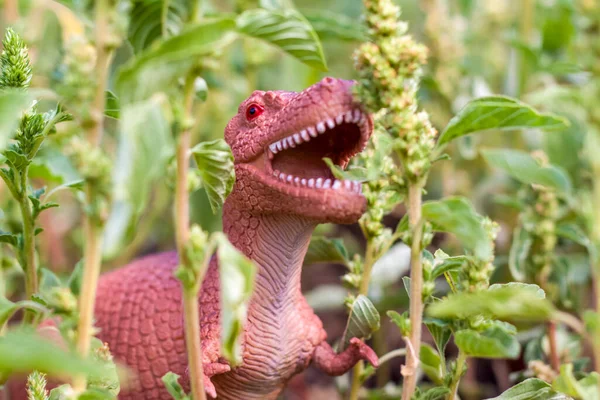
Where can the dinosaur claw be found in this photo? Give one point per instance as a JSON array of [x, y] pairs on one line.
[[365, 352], [209, 388]]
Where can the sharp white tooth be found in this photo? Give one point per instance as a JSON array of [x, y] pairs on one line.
[[348, 185], [357, 115], [296, 180], [271, 155], [339, 119], [282, 176], [327, 184], [284, 143], [336, 184], [311, 182], [319, 183], [330, 123], [304, 135], [273, 148], [312, 131], [297, 138], [289, 178], [278, 146], [348, 117], [303, 182], [291, 143], [363, 120], [276, 173], [357, 186], [321, 127]]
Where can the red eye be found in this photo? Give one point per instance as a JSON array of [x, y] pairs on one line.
[[253, 111]]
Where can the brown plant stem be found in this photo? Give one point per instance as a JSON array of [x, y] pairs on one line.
[[363, 289], [93, 222], [416, 289], [11, 11], [554, 359], [182, 233]]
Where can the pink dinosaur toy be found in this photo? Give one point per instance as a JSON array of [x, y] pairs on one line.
[[283, 189]]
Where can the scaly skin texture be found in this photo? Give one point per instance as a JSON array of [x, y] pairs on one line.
[[139, 310]]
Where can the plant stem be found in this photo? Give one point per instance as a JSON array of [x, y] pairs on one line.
[[11, 11], [92, 261], [28, 254], [554, 359], [595, 264], [182, 221], [103, 54], [363, 289], [93, 224], [416, 289], [460, 366]]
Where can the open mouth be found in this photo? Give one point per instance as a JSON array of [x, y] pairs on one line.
[[297, 159]]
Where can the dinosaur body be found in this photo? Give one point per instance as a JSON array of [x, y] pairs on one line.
[[283, 189]]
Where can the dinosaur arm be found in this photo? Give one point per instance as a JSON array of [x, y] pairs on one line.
[[338, 364]]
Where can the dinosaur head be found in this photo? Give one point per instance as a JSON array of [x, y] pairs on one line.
[[279, 140]]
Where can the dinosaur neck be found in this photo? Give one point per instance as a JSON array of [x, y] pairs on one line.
[[277, 244]]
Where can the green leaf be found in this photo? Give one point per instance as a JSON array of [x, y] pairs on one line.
[[531, 288], [286, 29], [531, 389], [112, 107], [150, 19], [171, 381], [362, 321], [53, 166], [22, 351], [48, 279], [457, 216], [12, 104], [8, 309], [215, 167], [431, 363], [9, 238], [334, 26], [236, 291], [491, 343], [585, 388], [74, 282], [159, 68], [447, 265], [526, 169], [436, 393], [506, 302], [574, 233], [497, 112], [440, 331], [325, 250], [401, 321], [519, 252], [144, 148]]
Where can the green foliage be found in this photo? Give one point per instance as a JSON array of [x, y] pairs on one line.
[[531, 389], [528, 170], [490, 343], [324, 250], [14, 62], [500, 113], [286, 29], [171, 381], [216, 171], [362, 322]]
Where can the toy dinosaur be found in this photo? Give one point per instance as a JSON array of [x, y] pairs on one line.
[[283, 189]]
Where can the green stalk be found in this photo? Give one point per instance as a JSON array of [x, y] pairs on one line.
[[93, 224], [460, 368], [363, 289], [596, 263], [182, 221], [416, 291], [28, 251]]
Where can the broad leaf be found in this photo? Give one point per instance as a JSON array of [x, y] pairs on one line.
[[362, 322], [171, 381], [22, 351], [531, 389], [506, 302], [431, 363], [112, 107], [519, 252], [436, 393], [440, 331], [497, 112], [585, 388], [144, 148], [491, 343], [151, 19], [325, 250], [574, 233], [215, 168], [159, 68], [235, 294], [457, 216], [401, 321], [12, 104], [335, 26], [9, 238], [526, 169], [286, 29], [447, 265]]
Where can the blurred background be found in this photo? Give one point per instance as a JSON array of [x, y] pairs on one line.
[[545, 52]]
